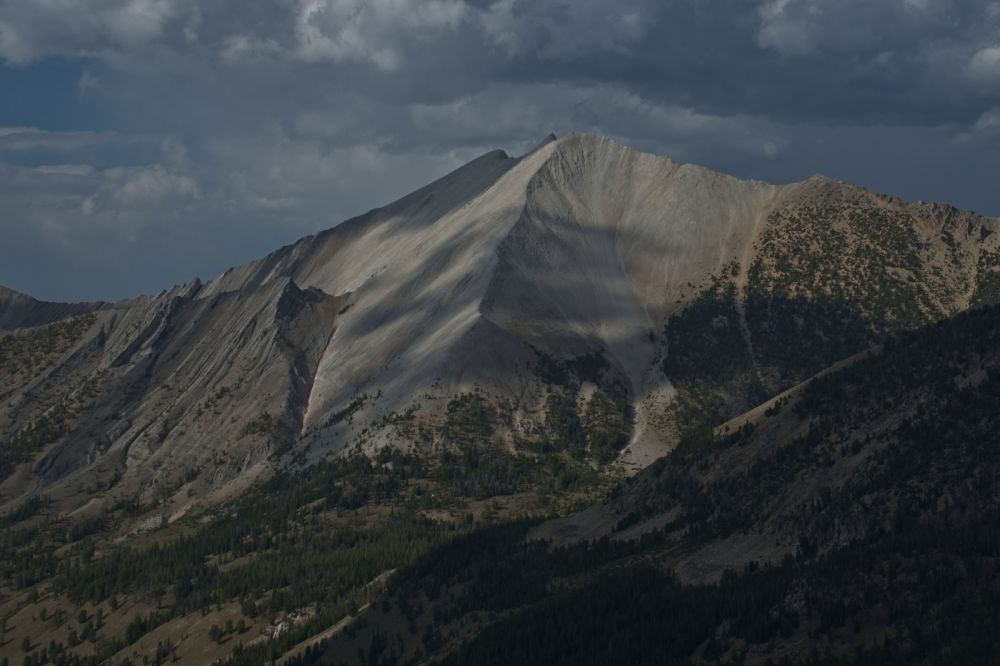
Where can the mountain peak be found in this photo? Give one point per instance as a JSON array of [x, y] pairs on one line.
[[549, 138], [570, 259]]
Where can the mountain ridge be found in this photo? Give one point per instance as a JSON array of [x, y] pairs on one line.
[[582, 246]]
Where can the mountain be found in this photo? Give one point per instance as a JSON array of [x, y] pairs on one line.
[[513, 340], [583, 267]]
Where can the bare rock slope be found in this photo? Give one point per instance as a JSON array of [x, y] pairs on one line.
[[584, 273]]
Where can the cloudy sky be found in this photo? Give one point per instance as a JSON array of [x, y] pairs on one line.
[[144, 142]]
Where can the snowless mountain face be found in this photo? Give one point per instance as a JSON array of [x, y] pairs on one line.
[[583, 283]]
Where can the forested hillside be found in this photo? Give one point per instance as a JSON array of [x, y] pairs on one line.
[[876, 494]]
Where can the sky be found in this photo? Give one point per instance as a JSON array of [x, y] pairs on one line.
[[146, 142]]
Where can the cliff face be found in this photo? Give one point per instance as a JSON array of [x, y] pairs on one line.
[[584, 270]]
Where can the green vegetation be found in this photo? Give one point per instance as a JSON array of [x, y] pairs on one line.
[[469, 422], [848, 606], [708, 360], [474, 462], [21, 446], [589, 367], [275, 527], [987, 279], [315, 540], [829, 280], [602, 428], [264, 424], [211, 404], [24, 356], [27, 353], [855, 256], [832, 279], [347, 412], [912, 427], [607, 424]]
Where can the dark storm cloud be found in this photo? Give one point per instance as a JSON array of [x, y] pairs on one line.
[[171, 137]]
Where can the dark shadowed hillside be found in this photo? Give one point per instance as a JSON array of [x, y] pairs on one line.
[[855, 522]]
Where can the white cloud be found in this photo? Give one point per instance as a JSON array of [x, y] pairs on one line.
[[31, 30], [783, 31], [247, 46], [26, 139], [923, 29], [491, 114], [12, 47], [80, 170], [137, 21], [530, 112], [564, 30], [984, 66], [139, 186], [918, 5], [88, 81], [116, 201], [370, 31], [987, 124], [501, 26]]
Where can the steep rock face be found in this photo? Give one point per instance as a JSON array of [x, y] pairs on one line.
[[578, 248], [608, 240], [164, 391], [584, 276], [194, 390]]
